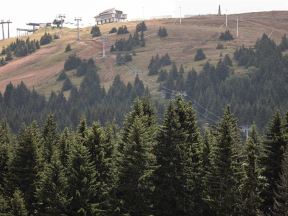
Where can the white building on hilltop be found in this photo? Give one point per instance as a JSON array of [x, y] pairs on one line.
[[109, 16]]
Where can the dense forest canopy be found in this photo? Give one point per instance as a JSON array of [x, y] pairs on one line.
[[145, 168]]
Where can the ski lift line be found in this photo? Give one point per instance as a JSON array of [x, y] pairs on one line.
[[197, 103]]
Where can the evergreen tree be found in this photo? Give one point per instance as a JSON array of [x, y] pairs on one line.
[[200, 55], [67, 85], [5, 209], [95, 31], [274, 145], [68, 48], [250, 187], [27, 163], [18, 204], [65, 146], [224, 178], [178, 184], [281, 193], [82, 185], [4, 156], [50, 137], [51, 192], [137, 167]]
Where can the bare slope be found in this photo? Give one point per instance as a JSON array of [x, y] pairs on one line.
[[40, 70]]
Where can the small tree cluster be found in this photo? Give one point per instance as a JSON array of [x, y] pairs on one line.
[[130, 43], [113, 30], [95, 31], [122, 30], [141, 27], [200, 55], [162, 32], [2, 62], [67, 85], [283, 46], [226, 36], [157, 62], [122, 59], [72, 62], [68, 48], [46, 39]]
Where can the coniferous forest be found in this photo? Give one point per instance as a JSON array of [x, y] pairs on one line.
[[145, 168]]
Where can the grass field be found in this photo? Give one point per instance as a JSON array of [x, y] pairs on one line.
[[41, 69]]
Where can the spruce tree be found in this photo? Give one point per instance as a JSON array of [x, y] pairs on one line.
[[274, 145], [5, 209], [250, 186], [18, 207], [178, 184], [27, 163], [82, 185], [4, 156], [65, 147], [224, 178], [50, 137], [281, 193], [137, 167], [51, 192]]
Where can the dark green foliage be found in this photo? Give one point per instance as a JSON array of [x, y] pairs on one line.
[[67, 85], [129, 44], [227, 61], [157, 62], [4, 206], [46, 39], [9, 56], [283, 46], [162, 76], [162, 32], [62, 76], [72, 62], [281, 193], [26, 164], [275, 145], [4, 156], [95, 31], [224, 179], [122, 59], [82, 185], [226, 36], [250, 186], [141, 27], [199, 55], [122, 30], [113, 30], [68, 48], [86, 67], [177, 180], [2, 62], [18, 204]]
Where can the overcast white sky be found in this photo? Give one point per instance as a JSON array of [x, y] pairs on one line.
[[23, 11]]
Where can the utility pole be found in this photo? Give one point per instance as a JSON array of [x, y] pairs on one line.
[[3, 35], [237, 27], [8, 23], [226, 19], [78, 19], [180, 11]]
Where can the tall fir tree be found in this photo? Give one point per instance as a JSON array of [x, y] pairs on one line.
[[4, 156], [135, 181], [178, 184], [66, 143], [281, 193], [224, 178], [83, 187], [250, 186], [18, 207], [26, 164], [51, 192], [274, 145]]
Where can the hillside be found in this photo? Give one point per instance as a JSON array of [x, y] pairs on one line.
[[40, 70]]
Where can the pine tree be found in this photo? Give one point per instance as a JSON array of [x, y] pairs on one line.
[[4, 156], [281, 193], [199, 55], [5, 209], [178, 184], [51, 192], [65, 147], [83, 187], [50, 137], [250, 187], [224, 178], [18, 204], [274, 145], [137, 167], [27, 163]]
